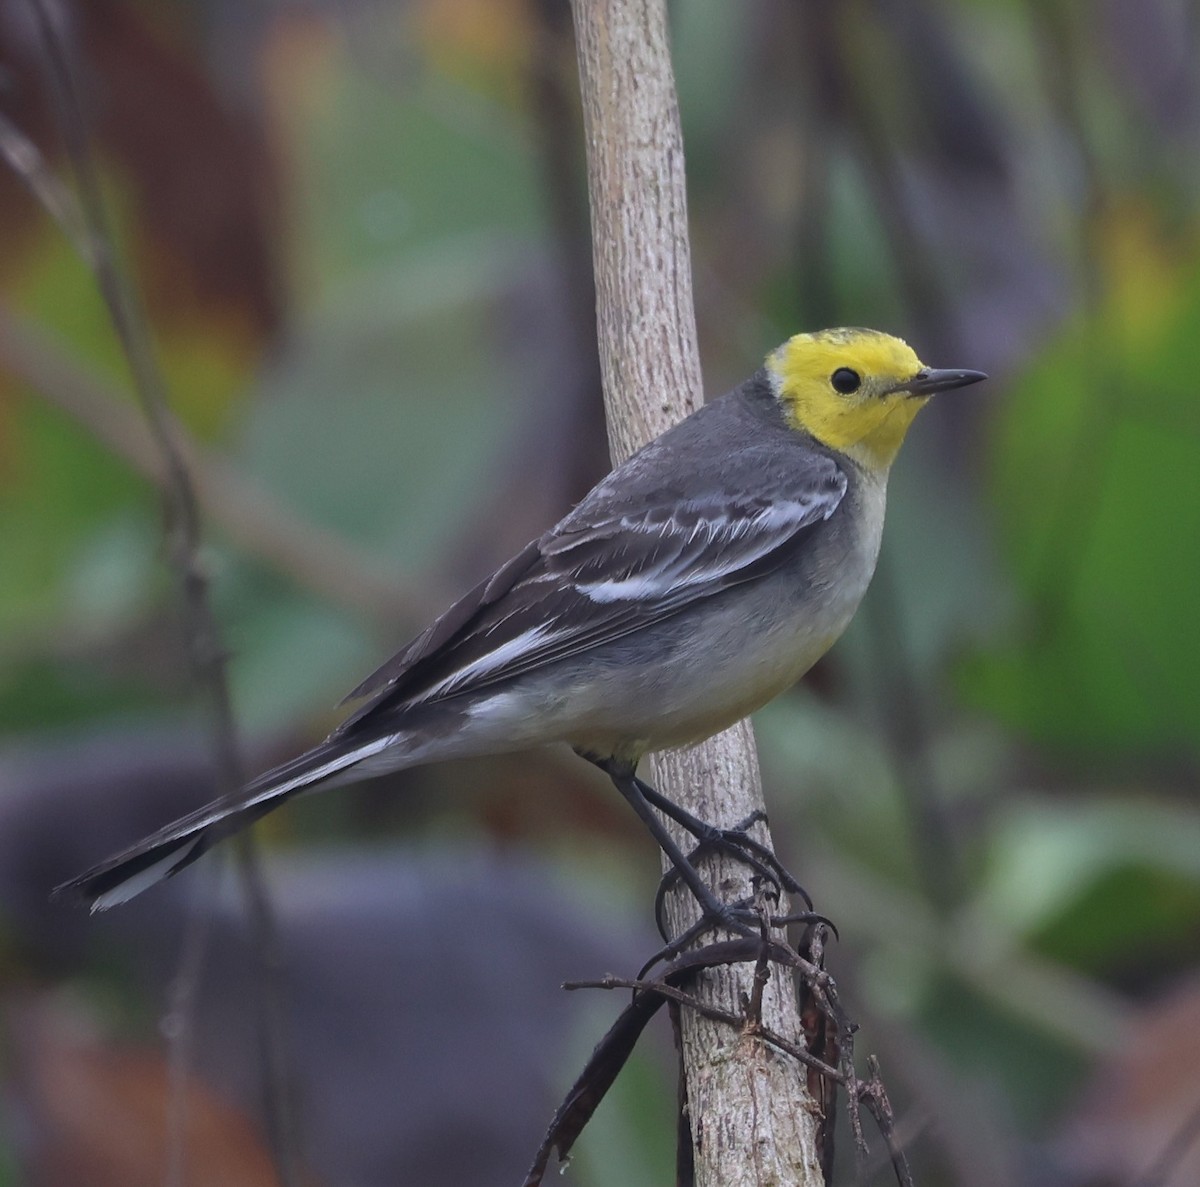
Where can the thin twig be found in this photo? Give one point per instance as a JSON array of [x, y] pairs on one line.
[[616, 1045], [874, 1095], [28, 164], [306, 553], [685, 1159], [762, 966], [183, 534], [180, 1034], [715, 1014], [820, 1038]]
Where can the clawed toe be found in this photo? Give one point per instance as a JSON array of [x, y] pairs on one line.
[[765, 867]]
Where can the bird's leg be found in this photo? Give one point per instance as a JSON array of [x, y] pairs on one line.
[[633, 789], [735, 841]]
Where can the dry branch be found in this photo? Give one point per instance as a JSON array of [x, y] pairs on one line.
[[752, 1119]]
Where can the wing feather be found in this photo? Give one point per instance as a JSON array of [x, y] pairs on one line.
[[603, 572], [444, 628]]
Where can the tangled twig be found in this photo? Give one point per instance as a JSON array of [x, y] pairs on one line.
[[649, 994]]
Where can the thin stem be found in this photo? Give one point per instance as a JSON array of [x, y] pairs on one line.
[[183, 535]]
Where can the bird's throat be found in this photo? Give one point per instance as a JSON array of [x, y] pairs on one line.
[[871, 433]]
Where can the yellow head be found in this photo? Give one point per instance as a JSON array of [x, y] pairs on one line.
[[856, 391]]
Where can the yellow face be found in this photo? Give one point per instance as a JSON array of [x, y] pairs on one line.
[[851, 390]]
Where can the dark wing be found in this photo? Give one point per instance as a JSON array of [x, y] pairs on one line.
[[455, 621], [605, 571]]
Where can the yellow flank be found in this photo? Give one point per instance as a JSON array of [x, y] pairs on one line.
[[868, 423]]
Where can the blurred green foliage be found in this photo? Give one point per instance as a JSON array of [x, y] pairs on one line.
[[990, 785], [1095, 458]]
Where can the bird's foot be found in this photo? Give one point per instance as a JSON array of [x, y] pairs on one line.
[[740, 917], [767, 870], [739, 844]]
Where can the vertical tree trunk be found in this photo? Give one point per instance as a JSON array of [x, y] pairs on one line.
[[753, 1122]]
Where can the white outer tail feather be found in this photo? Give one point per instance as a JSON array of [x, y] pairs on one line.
[[144, 879], [193, 834]]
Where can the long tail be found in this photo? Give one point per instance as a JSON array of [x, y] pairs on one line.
[[169, 850]]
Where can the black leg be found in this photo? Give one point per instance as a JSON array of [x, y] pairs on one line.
[[734, 840], [633, 789]]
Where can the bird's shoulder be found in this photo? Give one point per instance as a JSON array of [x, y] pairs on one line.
[[737, 452]]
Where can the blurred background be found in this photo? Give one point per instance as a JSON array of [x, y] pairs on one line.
[[359, 232]]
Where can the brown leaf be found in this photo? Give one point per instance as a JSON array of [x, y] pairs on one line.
[[202, 183], [1140, 1119], [96, 1112]]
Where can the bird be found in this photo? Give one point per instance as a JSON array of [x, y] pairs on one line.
[[698, 580]]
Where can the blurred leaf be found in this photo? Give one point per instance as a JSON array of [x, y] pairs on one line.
[[385, 170], [46, 691], [820, 760], [382, 430], [108, 579], [709, 47], [113, 576], [291, 656], [485, 44], [1131, 923], [56, 487], [1104, 885], [1094, 475], [1017, 1067], [939, 587], [205, 355]]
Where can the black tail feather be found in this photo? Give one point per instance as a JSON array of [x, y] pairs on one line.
[[129, 873], [173, 848]]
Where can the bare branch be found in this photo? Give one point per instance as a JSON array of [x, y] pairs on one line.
[[752, 1120]]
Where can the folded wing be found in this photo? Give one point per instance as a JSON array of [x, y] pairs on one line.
[[602, 573]]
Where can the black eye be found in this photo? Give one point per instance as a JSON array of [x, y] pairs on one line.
[[845, 380]]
